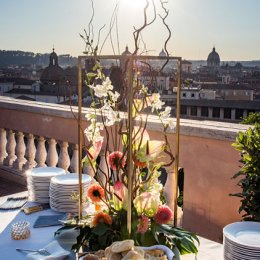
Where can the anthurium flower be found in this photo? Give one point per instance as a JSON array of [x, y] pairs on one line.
[[147, 203], [93, 152], [119, 194], [119, 189], [149, 151], [95, 149]]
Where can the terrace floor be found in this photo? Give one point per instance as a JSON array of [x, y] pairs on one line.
[[8, 187]]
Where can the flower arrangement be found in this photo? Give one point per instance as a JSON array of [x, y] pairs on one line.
[[109, 195]]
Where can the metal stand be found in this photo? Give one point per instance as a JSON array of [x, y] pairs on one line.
[[131, 60]]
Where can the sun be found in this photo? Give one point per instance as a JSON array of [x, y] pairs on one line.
[[134, 4]]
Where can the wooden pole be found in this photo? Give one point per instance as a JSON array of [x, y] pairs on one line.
[[176, 164], [130, 146], [80, 133]]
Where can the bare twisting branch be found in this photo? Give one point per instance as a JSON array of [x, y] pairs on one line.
[[137, 32], [169, 31]]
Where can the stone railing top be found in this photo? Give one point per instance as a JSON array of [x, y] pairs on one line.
[[199, 128]]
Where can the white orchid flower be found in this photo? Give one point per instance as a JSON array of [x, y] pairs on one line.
[[102, 90], [114, 96], [156, 102]]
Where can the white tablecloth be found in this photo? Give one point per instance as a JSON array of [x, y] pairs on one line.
[[38, 239]]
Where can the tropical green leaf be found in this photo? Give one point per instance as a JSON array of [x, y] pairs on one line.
[[100, 229]]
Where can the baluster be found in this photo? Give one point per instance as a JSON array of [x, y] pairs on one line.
[[52, 157], [74, 163], [20, 152], [41, 153], [3, 142], [30, 153], [10, 148], [64, 159]]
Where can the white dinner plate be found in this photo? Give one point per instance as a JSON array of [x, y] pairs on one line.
[[67, 209], [240, 253], [66, 189], [46, 172], [40, 179], [242, 248], [245, 233], [70, 179]]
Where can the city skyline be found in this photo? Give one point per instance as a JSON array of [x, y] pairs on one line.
[[231, 26]]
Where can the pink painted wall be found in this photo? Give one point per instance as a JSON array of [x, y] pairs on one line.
[[59, 128], [209, 165]]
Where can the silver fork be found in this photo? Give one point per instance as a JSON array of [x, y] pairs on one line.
[[41, 251]]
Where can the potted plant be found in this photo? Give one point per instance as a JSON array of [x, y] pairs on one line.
[[248, 144]]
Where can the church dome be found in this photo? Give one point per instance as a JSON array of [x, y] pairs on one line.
[[53, 73], [162, 53], [213, 59], [126, 52]]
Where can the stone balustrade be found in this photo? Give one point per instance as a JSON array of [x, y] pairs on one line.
[[23, 151], [34, 134]]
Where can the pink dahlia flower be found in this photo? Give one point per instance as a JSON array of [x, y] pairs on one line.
[[143, 225], [116, 160], [163, 215]]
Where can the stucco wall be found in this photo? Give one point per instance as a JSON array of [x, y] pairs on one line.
[[209, 165]]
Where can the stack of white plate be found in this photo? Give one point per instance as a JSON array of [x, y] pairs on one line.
[[63, 187], [38, 182], [242, 241]]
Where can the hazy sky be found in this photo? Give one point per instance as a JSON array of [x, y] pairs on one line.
[[233, 26]]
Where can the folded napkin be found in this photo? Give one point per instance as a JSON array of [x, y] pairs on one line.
[[13, 203], [55, 250]]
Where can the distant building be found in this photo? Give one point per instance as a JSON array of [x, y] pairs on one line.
[[124, 58], [53, 77], [162, 53], [213, 60], [231, 91], [52, 87], [126, 51], [186, 66]]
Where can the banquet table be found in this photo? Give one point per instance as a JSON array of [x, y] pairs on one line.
[[40, 237]]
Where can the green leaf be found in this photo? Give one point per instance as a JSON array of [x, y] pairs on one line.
[[100, 229]]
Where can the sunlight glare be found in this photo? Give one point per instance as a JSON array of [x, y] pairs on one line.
[[134, 4]]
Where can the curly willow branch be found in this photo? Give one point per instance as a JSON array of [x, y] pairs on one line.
[[90, 24], [112, 22], [169, 31], [137, 32]]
